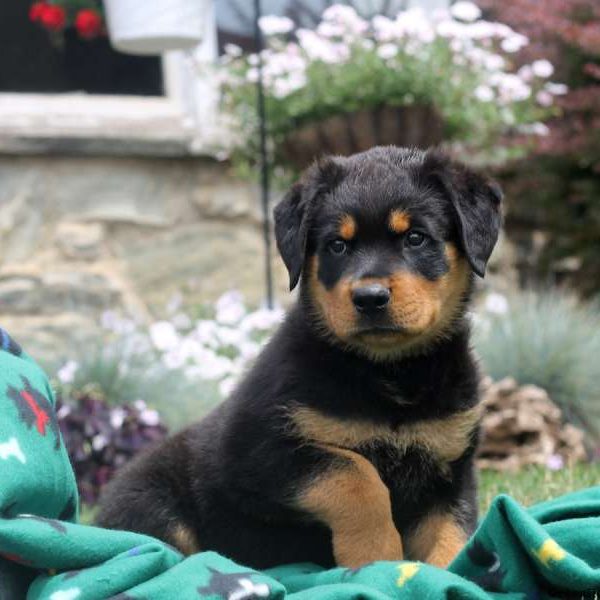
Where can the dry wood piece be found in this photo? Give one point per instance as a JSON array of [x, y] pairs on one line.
[[522, 426]]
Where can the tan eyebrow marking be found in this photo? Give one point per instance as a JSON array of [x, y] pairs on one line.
[[399, 221], [347, 228]]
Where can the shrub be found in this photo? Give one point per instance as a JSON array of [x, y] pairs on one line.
[[101, 437], [556, 189], [547, 339]]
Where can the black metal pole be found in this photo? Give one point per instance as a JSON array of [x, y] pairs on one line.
[[264, 161]]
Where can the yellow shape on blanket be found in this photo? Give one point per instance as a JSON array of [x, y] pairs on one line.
[[550, 550], [407, 571]]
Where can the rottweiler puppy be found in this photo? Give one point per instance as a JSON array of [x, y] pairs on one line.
[[352, 437]]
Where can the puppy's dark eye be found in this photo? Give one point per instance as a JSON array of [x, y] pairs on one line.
[[415, 238], [337, 247]]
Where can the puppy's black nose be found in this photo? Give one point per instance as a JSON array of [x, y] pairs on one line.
[[370, 299]]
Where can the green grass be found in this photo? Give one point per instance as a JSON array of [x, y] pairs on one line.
[[535, 484]]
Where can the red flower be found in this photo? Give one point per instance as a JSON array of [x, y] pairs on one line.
[[88, 23], [53, 17], [36, 10]]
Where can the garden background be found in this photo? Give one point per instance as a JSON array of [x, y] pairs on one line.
[[131, 231]]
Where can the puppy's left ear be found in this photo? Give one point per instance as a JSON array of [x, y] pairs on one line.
[[290, 231], [476, 201], [293, 213]]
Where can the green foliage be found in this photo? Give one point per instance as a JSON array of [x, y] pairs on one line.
[[536, 484], [550, 340]]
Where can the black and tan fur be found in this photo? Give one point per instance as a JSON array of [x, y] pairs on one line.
[[352, 437]]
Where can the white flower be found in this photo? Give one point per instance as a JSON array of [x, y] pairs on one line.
[[63, 411], [164, 336], [191, 349], [228, 336], [327, 29], [525, 73], [232, 50], [117, 416], [481, 30], [318, 48], [227, 386], [66, 374], [542, 68], [544, 98], [252, 75], [484, 93], [214, 366], [173, 359], [555, 462], [514, 42], [465, 11], [346, 16], [452, 29], [99, 441], [206, 332], [384, 29], [501, 30], [510, 87], [494, 62], [273, 25], [149, 417], [248, 351], [557, 89], [262, 320], [181, 321], [139, 405], [414, 23], [230, 308], [284, 86], [535, 129], [386, 51], [496, 304]]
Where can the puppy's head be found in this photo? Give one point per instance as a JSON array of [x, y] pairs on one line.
[[386, 242]]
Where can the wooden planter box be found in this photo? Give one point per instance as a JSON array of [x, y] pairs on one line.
[[344, 134]]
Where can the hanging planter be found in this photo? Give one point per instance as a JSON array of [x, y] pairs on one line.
[[344, 134], [142, 27]]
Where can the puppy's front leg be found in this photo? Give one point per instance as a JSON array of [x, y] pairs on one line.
[[437, 539], [352, 500]]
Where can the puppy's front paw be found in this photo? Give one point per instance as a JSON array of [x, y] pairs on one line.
[[354, 549]]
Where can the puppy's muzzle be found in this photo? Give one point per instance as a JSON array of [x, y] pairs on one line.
[[371, 300]]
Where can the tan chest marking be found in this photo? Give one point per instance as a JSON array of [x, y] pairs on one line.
[[446, 439]]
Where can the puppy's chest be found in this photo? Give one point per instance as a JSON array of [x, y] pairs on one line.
[[415, 444]]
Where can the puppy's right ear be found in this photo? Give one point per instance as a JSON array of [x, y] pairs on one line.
[[290, 231], [292, 214]]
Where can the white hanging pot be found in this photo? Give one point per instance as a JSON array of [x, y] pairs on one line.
[[155, 26]]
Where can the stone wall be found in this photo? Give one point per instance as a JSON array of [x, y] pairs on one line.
[[82, 235]]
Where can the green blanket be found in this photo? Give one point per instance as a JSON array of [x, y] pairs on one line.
[[549, 551]]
